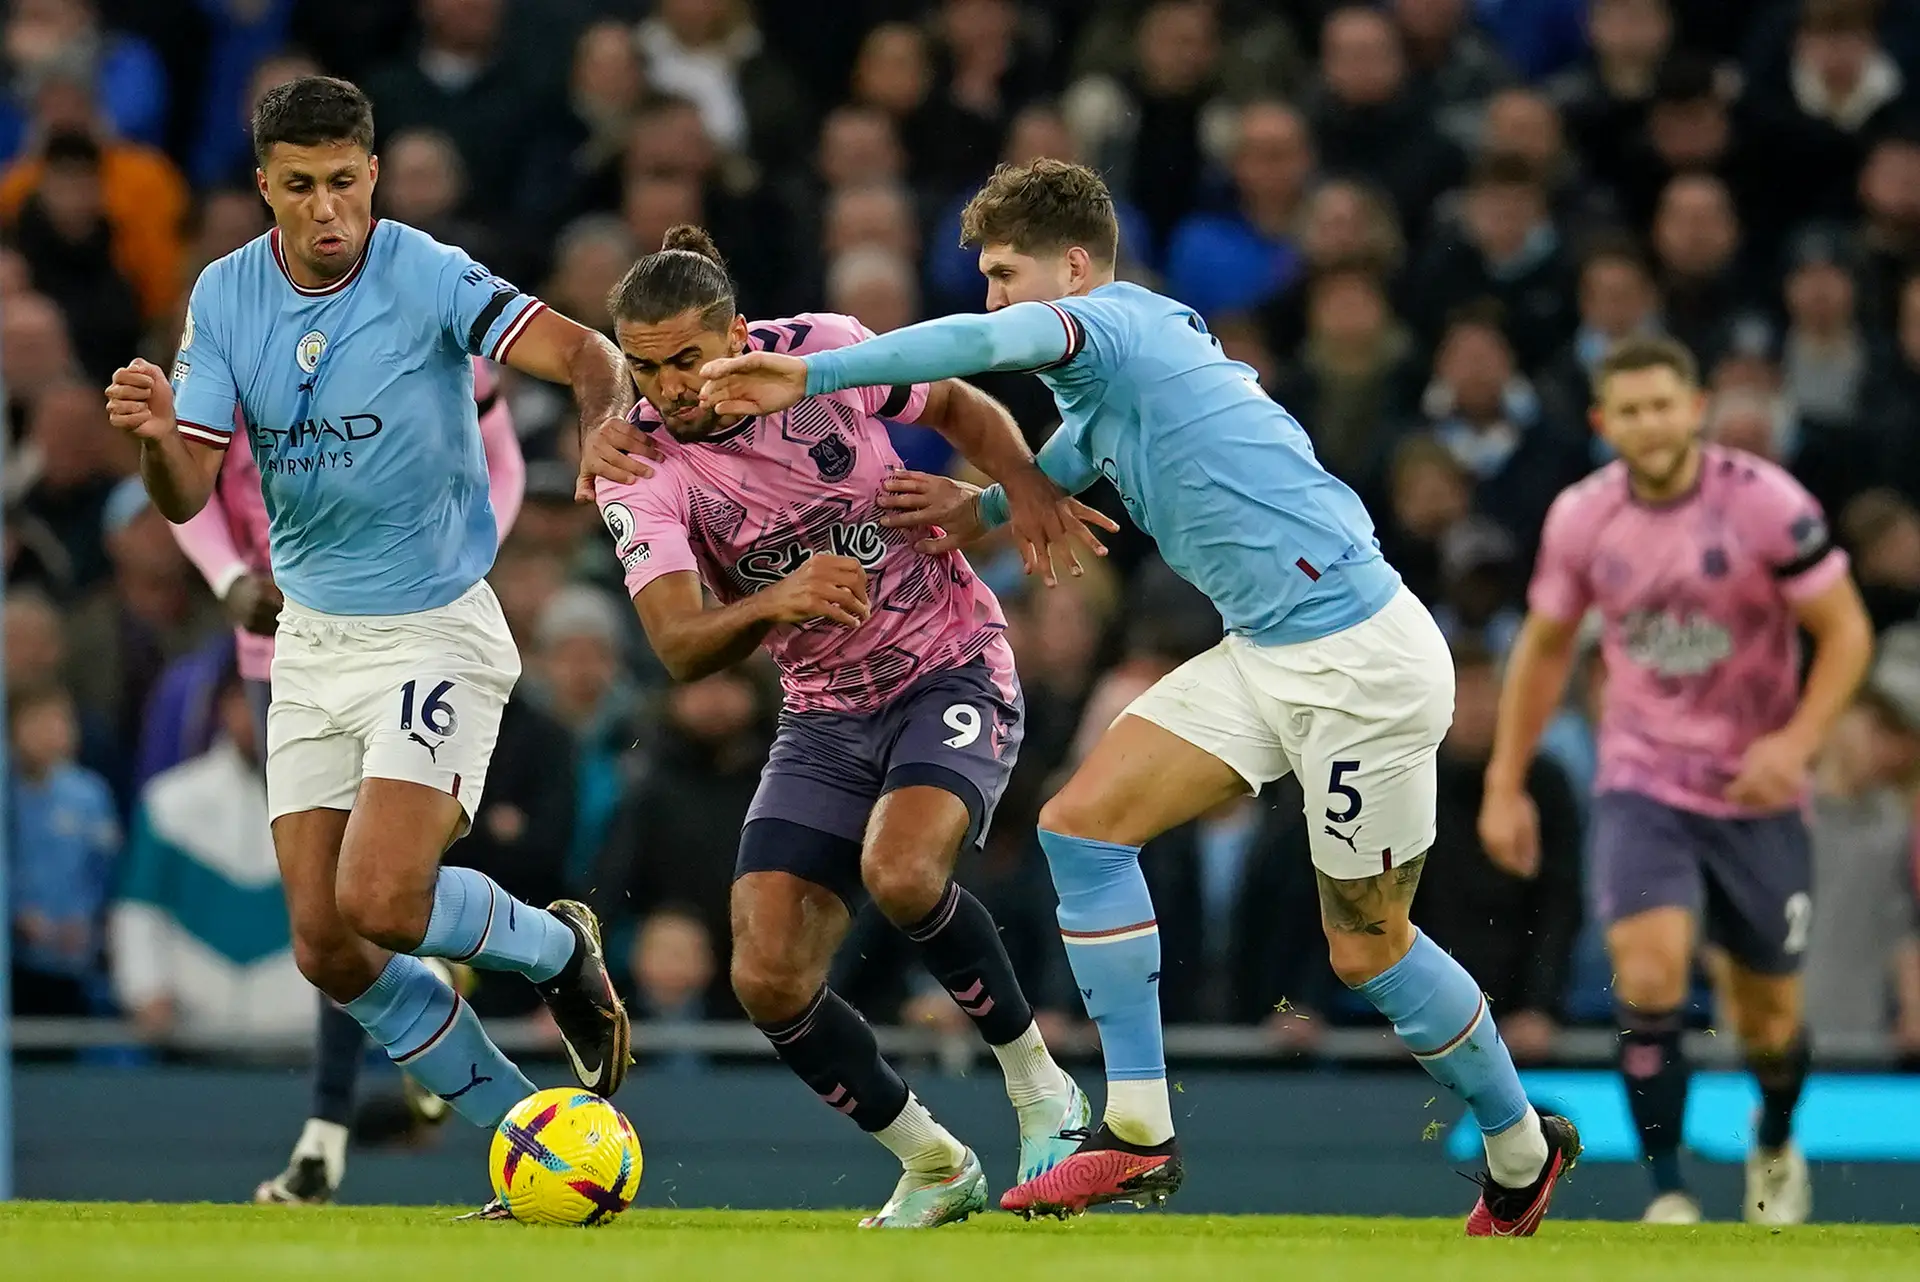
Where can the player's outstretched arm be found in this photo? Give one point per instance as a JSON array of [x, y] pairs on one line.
[[692, 641], [179, 474], [1026, 336], [564, 351], [1537, 670], [1046, 522]]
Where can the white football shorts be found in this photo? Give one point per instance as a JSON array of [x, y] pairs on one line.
[[405, 696], [1358, 715]]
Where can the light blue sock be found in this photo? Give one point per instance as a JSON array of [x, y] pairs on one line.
[[437, 1039], [1113, 945], [476, 922], [1443, 1017]]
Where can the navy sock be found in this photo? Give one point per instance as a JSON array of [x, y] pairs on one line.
[[962, 949], [1782, 1075], [339, 1047], [1655, 1068], [832, 1050]]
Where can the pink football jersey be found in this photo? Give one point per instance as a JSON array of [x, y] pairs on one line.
[[1701, 645], [747, 506]]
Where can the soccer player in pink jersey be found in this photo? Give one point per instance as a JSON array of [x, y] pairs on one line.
[[1704, 563], [902, 714], [227, 542]]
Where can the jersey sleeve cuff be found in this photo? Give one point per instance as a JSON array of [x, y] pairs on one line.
[[994, 509], [203, 434], [1811, 582], [503, 346]]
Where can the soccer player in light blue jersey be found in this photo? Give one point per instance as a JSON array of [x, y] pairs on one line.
[[1331, 669], [345, 343]]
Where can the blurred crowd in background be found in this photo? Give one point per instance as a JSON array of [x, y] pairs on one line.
[[1421, 221]]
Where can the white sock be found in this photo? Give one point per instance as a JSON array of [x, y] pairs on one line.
[[1517, 1155], [1032, 1075], [1139, 1112], [328, 1142], [923, 1146]]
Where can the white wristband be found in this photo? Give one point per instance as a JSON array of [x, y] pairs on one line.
[[228, 577]]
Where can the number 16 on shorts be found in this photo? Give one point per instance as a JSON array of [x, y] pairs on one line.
[[434, 714]]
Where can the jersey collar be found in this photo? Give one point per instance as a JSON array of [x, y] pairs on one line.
[[280, 260]]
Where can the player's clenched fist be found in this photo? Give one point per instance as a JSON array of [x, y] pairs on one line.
[[140, 400], [1510, 831], [824, 587]]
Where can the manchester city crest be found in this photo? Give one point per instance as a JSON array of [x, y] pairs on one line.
[[311, 347], [833, 456]]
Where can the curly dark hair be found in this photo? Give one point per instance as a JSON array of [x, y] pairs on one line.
[[1043, 207]]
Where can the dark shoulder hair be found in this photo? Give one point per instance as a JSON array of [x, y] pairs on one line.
[[1647, 351], [309, 112], [1505, 169], [686, 274], [1043, 207]]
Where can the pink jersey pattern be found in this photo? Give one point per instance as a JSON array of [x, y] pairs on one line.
[[228, 537], [1701, 645], [747, 507]]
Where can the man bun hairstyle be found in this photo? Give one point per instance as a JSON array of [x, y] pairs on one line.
[[311, 112], [686, 274], [1043, 207]]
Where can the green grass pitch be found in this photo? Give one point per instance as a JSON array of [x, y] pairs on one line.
[[58, 1241]]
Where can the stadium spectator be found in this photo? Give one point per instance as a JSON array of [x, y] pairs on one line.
[[1526, 123], [986, 69], [64, 842], [1263, 56], [201, 948], [1696, 243], [1893, 398], [673, 966], [229, 218], [1367, 121], [1506, 248], [463, 81], [1517, 445], [1450, 64], [1145, 127], [36, 353], [673, 840], [1236, 260], [123, 634], [126, 83], [711, 53], [238, 38], [893, 74], [1863, 952], [424, 184], [578, 682], [526, 576], [1691, 129], [1839, 92], [1356, 378], [144, 196], [1605, 98], [588, 259], [77, 462], [62, 234], [1882, 532], [859, 146], [1890, 234], [1480, 573], [1824, 354], [1427, 492], [1514, 927], [607, 86], [1345, 224], [523, 833], [1616, 299]]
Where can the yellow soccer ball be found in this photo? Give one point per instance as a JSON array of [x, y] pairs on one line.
[[565, 1156]]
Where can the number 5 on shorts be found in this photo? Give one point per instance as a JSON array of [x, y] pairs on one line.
[[435, 714], [1337, 785]]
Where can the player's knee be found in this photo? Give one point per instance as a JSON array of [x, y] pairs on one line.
[[1766, 1023], [1360, 958], [1651, 982], [384, 914], [331, 961], [768, 989], [1073, 812], [904, 884]]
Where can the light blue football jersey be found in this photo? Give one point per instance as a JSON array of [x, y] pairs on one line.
[[357, 401], [1224, 479]]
